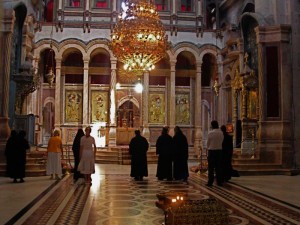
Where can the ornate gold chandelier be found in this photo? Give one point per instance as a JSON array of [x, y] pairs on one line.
[[139, 39]]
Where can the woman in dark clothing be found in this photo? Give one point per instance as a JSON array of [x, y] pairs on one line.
[[138, 148], [10, 147], [227, 151], [76, 150], [164, 147], [181, 155], [19, 161]]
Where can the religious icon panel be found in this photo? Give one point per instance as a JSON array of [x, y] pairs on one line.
[[157, 108], [73, 106], [182, 109], [99, 106]]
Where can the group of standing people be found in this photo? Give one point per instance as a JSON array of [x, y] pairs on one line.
[[84, 151], [172, 156], [220, 150], [15, 152]]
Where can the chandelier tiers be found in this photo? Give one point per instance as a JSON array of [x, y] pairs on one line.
[[139, 39]]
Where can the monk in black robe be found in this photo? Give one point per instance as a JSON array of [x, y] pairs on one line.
[[181, 155], [227, 151], [19, 157], [164, 148], [10, 147], [138, 148], [76, 150]]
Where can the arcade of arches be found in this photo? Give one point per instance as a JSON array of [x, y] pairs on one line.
[[233, 61], [86, 80]]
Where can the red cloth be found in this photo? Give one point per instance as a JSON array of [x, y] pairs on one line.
[[76, 3], [185, 9], [101, 5], [159, 7], [49, 12]]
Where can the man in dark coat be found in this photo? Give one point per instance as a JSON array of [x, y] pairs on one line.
[[164, 147], [227, 151], [181, 155], [138, 148]]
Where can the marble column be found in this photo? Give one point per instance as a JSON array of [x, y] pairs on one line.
[[7, 21], [198, 116], [85, 98], [60, 4], [34, 95], [58, 94], [172, 98], [145, 109], [112, 111]]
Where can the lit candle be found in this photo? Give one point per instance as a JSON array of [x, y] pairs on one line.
[[174, 200]]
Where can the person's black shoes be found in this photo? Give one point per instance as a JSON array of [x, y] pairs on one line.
[[138, 178], [209, 185]]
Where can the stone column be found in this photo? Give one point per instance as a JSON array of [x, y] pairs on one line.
[[58, 100], [85, 98], [197, 110], [172, 98], [145, 99], [59, 4], [33, 97], [275, 137], [112, 111], [7, 22], [244, 103]]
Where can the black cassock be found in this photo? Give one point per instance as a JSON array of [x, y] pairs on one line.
[[138, 148], [227, 151], [181, 153], [164, 149]]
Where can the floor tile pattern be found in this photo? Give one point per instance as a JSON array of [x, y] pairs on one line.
[[116, 199], [45, 211], [72, 211], [255, 205]]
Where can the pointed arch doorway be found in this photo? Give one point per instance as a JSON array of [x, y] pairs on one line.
[[128, 118]]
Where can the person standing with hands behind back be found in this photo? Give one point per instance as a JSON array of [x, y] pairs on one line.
[[214, 145], [54, 155], [87, 155], [138, 148]]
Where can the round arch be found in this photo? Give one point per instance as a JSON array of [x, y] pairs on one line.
[[66, 46], [101, 47], [186, 47]]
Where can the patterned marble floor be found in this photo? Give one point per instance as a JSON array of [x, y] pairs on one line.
[[115, 199]]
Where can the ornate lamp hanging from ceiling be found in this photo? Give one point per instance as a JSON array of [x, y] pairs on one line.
[[139, 40]]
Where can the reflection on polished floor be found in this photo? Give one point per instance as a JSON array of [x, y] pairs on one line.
[[116, 199]]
